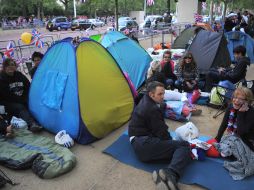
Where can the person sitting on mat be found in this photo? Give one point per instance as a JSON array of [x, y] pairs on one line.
[[167, 68], [151, 140], [187, 74], [14, 89], [233, 75], [238, 119]]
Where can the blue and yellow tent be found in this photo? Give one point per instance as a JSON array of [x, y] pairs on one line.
[[81, 90], [130, 56]]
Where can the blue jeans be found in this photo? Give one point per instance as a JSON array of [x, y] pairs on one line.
[[169, 82]]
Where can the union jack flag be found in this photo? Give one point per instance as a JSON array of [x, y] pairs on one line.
[[198, 18], [36, 39], [9, 53], [150, 2]]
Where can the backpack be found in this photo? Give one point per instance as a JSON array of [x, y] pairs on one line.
[[215, 99], [224, 89]]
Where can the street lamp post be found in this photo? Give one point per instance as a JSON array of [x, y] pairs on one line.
[[74, 8]]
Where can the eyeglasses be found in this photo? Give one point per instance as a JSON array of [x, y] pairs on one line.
[[188, 58], [239, 99]]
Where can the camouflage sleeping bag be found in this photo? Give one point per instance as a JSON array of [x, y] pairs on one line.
[[27, 150]]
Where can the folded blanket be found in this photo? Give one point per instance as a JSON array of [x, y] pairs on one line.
[[243, 166]]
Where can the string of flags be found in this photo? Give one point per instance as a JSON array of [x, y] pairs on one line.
[[198, 18]]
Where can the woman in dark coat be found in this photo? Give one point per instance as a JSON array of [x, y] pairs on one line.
[[238, 119]]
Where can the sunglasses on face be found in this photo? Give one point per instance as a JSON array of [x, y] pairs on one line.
[[188, 58]]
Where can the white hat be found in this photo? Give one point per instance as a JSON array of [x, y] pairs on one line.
[[231, 15], [64, 139]]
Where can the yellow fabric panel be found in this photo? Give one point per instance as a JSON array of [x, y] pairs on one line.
[[105, 98]]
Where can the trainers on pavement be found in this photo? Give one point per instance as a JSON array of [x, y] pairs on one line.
[[160, 184], [169, 178], [18, 122]]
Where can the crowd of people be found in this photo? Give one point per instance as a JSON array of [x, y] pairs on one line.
[[148, 132], [237, 21]]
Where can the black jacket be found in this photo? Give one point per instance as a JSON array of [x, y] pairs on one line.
[[168, 71], [32, 72], [14, 88], [239, 71], [147, 120], [157, 76], [245, 126]]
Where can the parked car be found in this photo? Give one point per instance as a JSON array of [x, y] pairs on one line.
[[81, 24], [96, 22], [58, 23], [124, 18], [151, 21], [130, 24]]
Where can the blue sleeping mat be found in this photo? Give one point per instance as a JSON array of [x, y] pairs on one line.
[[209, 173]]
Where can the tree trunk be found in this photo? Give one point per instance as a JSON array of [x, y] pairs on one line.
[[42, 11], [211, 12], [225, 9], [168, 6], [116, 14], [39, 10]]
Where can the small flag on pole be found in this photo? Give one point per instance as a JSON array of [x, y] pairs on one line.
[[9, 53], [36, 39], [150, 2], [198, 18]]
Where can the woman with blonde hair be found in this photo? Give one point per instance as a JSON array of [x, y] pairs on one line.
[[154, 73], [238, 119]]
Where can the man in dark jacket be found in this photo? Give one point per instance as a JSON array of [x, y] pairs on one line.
[[233, 75], [14, 89], [151, 140]]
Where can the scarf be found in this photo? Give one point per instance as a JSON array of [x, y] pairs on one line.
[[232, 121]]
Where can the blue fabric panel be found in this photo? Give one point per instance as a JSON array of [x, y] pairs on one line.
[[61, 59], [209, 173], [130, 56], [244, 39], [53, 90]]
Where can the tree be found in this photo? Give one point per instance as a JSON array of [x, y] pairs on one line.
[[66, 5], [116, 14]]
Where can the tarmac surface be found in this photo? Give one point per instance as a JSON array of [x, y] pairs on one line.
[[98, 171]]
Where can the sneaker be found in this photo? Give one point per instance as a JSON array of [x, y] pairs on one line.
[[35, 128], [169, 178], [160, 184], [64, 139], [18, 122]]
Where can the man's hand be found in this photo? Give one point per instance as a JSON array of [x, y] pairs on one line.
[[221, 70]]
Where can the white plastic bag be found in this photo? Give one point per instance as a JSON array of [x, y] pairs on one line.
[[187, 132]]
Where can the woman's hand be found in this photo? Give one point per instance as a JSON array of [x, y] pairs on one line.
[[9, 131], [244, 107]]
